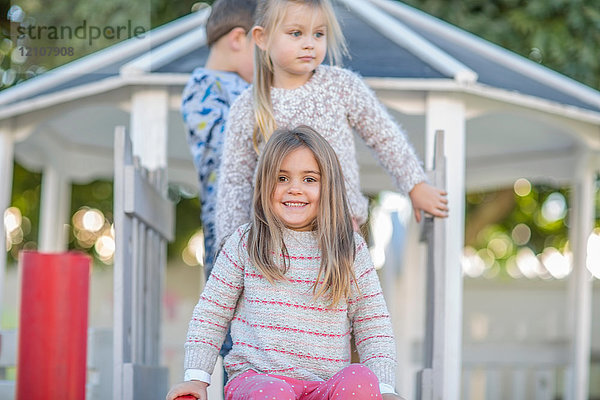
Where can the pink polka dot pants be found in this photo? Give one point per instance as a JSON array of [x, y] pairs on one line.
[[353, 382]]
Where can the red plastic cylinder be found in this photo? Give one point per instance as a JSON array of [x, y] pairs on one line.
[[51, 362]]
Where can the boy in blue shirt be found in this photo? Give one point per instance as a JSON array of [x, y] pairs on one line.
[[208, 96], [205, 105]]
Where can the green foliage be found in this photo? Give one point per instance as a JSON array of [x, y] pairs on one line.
[[96, 195], [541, 215], [38, 35], [187, 222], [563, 35], [25, 197]]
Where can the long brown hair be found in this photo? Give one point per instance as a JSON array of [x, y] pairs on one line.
[[269, 15], [333, 225]]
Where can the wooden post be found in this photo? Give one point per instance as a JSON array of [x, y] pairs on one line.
[[430, 381], [582, 223], [6, 175], [54, 210], [447, 112]]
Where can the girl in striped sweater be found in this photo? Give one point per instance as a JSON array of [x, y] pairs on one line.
[[295, 283]]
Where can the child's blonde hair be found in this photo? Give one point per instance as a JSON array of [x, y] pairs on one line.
[[269, 15], [333, 224]]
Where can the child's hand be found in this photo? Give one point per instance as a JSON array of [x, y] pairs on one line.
[[188, 390], [432, 200]]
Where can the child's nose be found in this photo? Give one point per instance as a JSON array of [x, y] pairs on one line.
[[309, 42], [294, 188]]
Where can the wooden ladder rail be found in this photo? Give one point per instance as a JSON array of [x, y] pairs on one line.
[[144, 221], [430, 378]]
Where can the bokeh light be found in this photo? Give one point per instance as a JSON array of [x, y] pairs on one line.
[[528, 263], [472, 264], [593, 253], [12, 219], [91, 229], [500, 244], [105, 247], [522, 187], [554, 207], [92, 220], [557, 264], [521, 234], [193, 253]]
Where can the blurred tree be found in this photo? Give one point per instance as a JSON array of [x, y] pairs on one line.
[[30, 30], [96, 195], [563, 35]]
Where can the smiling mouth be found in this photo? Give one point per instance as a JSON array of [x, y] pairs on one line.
[[294, 204]]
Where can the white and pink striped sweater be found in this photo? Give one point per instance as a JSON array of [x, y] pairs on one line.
[[280, 328]]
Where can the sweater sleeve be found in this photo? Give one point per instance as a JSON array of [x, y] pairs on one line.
[[215, 308], [370, 319], [383, 135], [238, 163]]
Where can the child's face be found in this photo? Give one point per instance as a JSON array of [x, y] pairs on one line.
[[295, 200], [298, 45]]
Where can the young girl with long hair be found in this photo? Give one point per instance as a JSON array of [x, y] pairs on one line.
[[295, 283], [292, 87]]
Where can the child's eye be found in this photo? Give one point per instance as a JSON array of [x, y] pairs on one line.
[[310, 179], [319, 35], [282, 179], [296, 33]]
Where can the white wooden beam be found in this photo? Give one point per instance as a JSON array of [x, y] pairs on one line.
[[580, 296], [54, 210], [6, 174], [149, 113], [489, 173], [447, 112]]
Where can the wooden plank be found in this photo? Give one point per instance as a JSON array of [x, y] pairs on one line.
[[122, 265], [434, 234], [493, 384], [148, 382], [516, 354], [133, 289], [519, 384], [99, 363], [148, 204], [8, 353], [582, 223], [545, 382]]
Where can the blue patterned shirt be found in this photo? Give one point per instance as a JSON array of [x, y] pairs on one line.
[[205, 105]]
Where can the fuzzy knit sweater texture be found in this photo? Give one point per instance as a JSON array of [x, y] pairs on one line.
[[335, 102], [280, 328]]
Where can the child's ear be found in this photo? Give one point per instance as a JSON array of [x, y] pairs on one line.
[[260, 38], [237, 39]]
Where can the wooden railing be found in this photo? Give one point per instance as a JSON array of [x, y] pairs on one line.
[[144, 222], [430, 378]]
